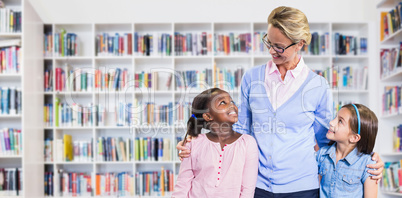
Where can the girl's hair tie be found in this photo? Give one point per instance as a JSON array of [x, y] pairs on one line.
[[193, 116], [358, 118]]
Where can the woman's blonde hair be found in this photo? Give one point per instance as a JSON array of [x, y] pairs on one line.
[[292, 23]]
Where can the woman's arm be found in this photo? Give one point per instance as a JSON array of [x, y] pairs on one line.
[[370, 188], [250, 170]]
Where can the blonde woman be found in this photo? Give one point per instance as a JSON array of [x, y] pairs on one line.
[[287, 108]]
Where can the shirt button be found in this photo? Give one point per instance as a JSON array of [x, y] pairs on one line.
[[219, 161], [219, 167], [219, 172], [272, 171], [225, 144], [218, 178], [223, 149], [270, 157], [220, 156]]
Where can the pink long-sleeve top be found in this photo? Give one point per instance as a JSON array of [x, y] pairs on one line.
[[211, 171]]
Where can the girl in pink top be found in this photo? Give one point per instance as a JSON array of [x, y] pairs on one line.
[[223, 163]]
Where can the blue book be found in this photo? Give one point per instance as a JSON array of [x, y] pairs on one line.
[[116, 79], [5, 100], [135, 42], [3, 141], [160, 149], [116, 44]]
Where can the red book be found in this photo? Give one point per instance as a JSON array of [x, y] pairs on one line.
[[227, 44], [121, 48], [89, 188], [58, 79], [74, 179], [46, 80], [130, 44], [137, 83]]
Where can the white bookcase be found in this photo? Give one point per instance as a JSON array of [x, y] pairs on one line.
[[87, 58], [388, 121], [30, 80]]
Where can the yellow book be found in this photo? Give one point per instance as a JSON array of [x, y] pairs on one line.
[[122, 150], [390, 28], [162, 178], [382, 25], [68, 149], [146, 80]]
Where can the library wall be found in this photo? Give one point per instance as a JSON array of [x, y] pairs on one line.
[[197, 10]]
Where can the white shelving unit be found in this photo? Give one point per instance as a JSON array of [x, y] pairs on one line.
[[387, 121], [30, 80], [87, 58]]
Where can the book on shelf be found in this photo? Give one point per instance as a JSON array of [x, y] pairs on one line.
[[391, 60], [74, 184], [117, 45], [349, 45], [10, 20], [49, 150], [193, 44], [345, 77], [11, 142], [227, 79], [114, 149], [148, 80], [48, 78], [65, 44], [49, 184], [11, 101], [73, 151], [152, 44], [10, 59], [114, 184], [48, 44], [337, 105], [259, 46], [152, 149], [397, 137], [392, 177], [176, 152], [114, 79], [154, 183], [391, 100], [71, 115], [390, 22], [319, 45], [150, 114], [48, 115], [12, 181], [232, 43]]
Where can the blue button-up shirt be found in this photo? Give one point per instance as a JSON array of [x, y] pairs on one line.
[[345, 178], [285, 136]]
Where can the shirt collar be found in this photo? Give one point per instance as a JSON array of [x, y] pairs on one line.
[[351, 158], [295, 72]]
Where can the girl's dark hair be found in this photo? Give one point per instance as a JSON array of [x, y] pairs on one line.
[[368, 127], [199, 107]]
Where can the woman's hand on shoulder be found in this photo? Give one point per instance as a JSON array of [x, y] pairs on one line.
[[378, 167], [184, 152]]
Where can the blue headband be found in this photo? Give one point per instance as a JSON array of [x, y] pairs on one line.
[[193, 116], [358, 118]]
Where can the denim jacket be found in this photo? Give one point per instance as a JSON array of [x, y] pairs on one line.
[[345, 178]]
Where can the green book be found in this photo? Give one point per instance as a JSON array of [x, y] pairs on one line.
[[141, 149], [56, 115], [84, 81], [145, 144], [137, 149], [63, 32], [11, 137]]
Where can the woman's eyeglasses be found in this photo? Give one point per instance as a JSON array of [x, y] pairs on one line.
[[276, 48]]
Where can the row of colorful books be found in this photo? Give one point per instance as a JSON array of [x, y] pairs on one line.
[[349, 45], [73, 80], [154, 44], [397, 136], [68, 150], [151, 114], [113, 149], [319, 45], [154, 183], [10, 142], [49, 150], [76, 184], [337, 105], [390, 22], [192, 44], [259, 46], [117, 45], [345, 77], [48, 44], [392, 177], [11, 181], [391, 60], [11, 103], [65, 44], [391, 100], [228, 79], [10, 20], [153, 149], [10, 60], [232, 43], [48, 78], [183, 113], [49, 183]]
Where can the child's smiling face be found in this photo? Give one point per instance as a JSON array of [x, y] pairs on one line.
[[222, 108], [339, 129]]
